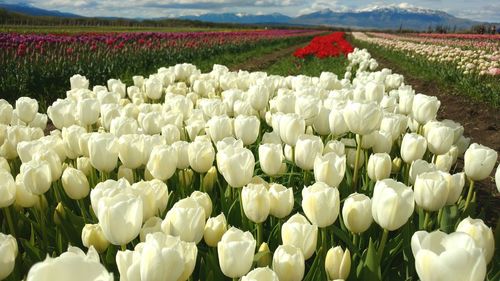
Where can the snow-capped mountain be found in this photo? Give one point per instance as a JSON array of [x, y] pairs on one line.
[[387, 17], [378, 17]]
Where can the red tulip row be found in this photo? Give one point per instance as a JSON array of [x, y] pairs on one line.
[[331, 45]]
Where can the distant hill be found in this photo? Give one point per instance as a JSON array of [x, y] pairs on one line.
[[241, 18], [33, 11], [378, 17]]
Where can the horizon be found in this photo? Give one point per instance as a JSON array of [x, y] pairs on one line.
[[481, 10]]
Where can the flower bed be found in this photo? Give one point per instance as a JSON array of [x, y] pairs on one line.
[[211, 176], [331, 45]]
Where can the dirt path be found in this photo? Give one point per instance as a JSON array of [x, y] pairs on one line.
[[480, 120], [263, 62]]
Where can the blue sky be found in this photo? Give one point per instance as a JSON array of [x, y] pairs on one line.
[[483, 10]]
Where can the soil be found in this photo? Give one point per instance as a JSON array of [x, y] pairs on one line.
[[263, 62]]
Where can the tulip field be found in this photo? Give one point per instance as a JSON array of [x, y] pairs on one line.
[[38, 65], [472, 62], [186, 173]]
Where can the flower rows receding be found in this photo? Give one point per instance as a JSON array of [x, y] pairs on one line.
[[38, 65], [331, 45], [187, 175], [475, 61]]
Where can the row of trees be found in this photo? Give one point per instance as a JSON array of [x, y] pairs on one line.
[[11, 18]]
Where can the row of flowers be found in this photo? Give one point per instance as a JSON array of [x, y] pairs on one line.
[[39, 64], [208, 176], [474, 61], [463, 41], [331, 45]]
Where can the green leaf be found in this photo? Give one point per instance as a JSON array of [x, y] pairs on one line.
[[31, 250], [337, 232], [371, 269]]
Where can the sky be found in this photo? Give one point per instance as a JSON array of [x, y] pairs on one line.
[[481, 10]]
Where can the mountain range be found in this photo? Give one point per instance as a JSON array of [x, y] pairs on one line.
[[34, 11], [376, 17]]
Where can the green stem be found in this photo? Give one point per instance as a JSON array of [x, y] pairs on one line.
[[42, 223], [407, 174], [124, 247], [419, 129], [241, 206], [426, 219], [231, 196], [440, 217], [355, 239], [82, 209], [259, 234], [323, 242], [293, 165], [201, 183], [356, 164], [8, 216], [382, 243], [469, 194], [104, 176]]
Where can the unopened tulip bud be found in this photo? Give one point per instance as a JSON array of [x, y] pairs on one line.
[[186, 177], [479, 161], [396, 165], [281, 200], [152, 225], [424, 108], [338, 263], [379, 166], [306, 150], [75, 183], [413, 147], [92, 235], [256, 202], [59, 214], [266, 257], [209, 179], [357, 213], [214, 229], [83, 164], [127, 173]]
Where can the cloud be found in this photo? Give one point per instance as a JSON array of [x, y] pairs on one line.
[[323, 5], [216, 4]]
